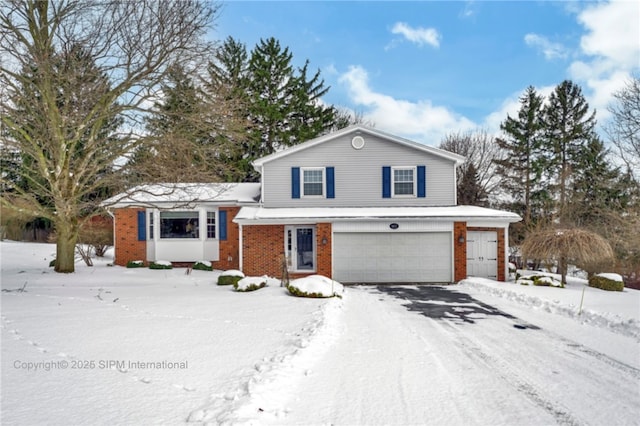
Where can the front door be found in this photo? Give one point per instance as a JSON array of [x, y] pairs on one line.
[[482, 254], [301, 248]]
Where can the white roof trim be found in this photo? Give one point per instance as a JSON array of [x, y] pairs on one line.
[[168, 195], [458, 159], [251, 215]]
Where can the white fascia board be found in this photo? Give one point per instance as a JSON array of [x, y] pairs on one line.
[[458, 159]]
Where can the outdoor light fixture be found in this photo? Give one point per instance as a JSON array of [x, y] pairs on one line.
[[324, 241], [461, 239]]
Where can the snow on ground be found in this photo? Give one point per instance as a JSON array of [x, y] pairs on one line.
[[111, 345]]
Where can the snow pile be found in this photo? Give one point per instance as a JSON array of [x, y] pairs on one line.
[[616, 311], [316, 286], [611, 276], [540, 279], [251, 283], [232, 273]]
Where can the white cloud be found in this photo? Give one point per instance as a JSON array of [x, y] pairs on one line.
[[420, 121], [469, 10], [419, 35], [610, 50], [549, 49]]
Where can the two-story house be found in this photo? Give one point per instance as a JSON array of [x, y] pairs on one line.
[[358, 205]]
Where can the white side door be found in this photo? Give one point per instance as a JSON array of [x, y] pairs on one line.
[[482, 254]]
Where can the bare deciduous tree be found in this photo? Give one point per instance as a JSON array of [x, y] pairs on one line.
[[624, 128], [67, 156], [481, 150]]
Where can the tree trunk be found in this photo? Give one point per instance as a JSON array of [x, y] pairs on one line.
[[67, 235], [562, 269]]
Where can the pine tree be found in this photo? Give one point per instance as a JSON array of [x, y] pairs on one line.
[[520, 167], [597, 187], [470, 192], [568, 126], [284, 104]]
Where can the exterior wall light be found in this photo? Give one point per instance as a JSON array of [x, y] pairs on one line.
[[461, 239], [324, 241]]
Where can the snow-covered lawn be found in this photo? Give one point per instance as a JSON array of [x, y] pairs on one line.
[[110, 345]]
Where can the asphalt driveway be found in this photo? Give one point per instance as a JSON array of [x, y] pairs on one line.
[[438, 302]]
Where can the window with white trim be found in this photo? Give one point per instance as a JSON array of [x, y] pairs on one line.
[[184, 224], [312, 182], [151, 230], [211, 225], [404, 181]]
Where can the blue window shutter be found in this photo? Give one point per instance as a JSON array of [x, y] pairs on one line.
[[422, 187], [222, 224], [295, 182], [386, 182], [331, 185], [142, 226]]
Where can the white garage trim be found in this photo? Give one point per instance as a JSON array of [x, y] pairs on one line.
[[388, 226], [392, 257]]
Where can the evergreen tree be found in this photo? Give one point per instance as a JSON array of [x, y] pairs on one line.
[[470, 192], [520, 167], [568, 126], [284, 106], [597, 187]]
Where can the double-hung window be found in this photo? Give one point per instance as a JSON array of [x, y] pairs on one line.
[[313, 182], [211, 225], [404, 181]]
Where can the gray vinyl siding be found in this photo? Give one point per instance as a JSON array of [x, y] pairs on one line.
[[358, 174]]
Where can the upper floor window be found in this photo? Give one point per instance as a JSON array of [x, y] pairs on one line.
[[404, 181], [313, 182]]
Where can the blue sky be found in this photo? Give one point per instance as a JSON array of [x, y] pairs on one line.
[[425, 69]]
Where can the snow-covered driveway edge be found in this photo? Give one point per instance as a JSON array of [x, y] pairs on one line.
[[629, 327], [264, 395]]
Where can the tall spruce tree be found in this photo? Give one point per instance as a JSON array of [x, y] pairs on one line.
[[568, 127], [187, 130], [470, 192], [598, 188], [520, 167]]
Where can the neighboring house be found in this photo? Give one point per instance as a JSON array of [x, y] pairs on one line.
[[358, 205]]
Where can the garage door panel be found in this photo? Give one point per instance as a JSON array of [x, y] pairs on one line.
[[397, 257]]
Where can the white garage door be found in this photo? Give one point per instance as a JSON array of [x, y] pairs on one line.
[[392, 258]]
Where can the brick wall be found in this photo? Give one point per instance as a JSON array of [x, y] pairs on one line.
[[459, 251], [127, 246], [323, 231], [229, 249], [501, 249], [262, 250]]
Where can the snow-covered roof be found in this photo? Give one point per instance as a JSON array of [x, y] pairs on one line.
[[359, 129], [258, 214], [173, 194]]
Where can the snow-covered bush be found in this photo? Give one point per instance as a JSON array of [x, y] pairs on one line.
[[160, 264], [202, 265], [315, 286], [230, 277], [135, 264], [539, 280], [250, 283], [609, 282]]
